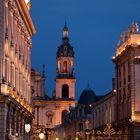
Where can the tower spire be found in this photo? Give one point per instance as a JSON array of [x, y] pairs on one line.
[[65, 31]]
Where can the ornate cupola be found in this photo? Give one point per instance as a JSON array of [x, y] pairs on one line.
[[65, 68], [65, 49], [65, 57]]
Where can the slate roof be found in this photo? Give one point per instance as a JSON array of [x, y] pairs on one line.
[[87, 97]]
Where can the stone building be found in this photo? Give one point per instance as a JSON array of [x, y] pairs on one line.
[[16, 30], [121, 107], [51, 111], [127, 66]]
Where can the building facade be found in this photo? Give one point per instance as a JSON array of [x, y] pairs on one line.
[[127, 61], [51, 111], [16, 30]]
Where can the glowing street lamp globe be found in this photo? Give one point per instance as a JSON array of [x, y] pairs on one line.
[[27, 128], [41, 136]]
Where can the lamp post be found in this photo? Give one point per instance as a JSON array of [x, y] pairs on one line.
[[27, 129]]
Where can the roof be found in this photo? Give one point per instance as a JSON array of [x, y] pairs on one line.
[[87, 97], [65, 50]]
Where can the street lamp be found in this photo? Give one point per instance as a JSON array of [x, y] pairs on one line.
[[41, 135], [27, 129]]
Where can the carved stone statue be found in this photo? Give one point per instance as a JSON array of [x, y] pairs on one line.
[[123, 37], [128, 32], [135, 28], [119, 42], [49, 115]]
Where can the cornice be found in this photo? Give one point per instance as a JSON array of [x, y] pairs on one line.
[[26, 16]]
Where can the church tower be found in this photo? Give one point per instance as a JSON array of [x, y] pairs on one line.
[[65, 78]]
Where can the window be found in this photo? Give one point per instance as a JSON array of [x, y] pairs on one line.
[[129, 78], [124, 94], [65, 48], [63, 116], [65, 66], [124, 74], [65, 91]]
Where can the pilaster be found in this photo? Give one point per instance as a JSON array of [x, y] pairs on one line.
[[1, 35]]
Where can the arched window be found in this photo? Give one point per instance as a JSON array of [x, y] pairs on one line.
[[65, 66], [65, 91], [63, 116]]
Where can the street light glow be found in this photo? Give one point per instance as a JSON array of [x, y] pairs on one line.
[[27, 128], [41, 136]]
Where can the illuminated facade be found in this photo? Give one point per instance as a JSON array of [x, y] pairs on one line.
[[127, 60], [51, 111], [16, 30]]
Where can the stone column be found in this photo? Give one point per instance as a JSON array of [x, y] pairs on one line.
[[2, 38], [23, 126], [18, 122], [10, 120], [20, 125], [15, 121]]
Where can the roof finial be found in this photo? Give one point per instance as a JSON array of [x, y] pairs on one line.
[[135, 27], [65, 30]]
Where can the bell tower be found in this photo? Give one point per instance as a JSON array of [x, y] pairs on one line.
[[65, 78]]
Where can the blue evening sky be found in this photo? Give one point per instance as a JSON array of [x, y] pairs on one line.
[[94, 27]]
